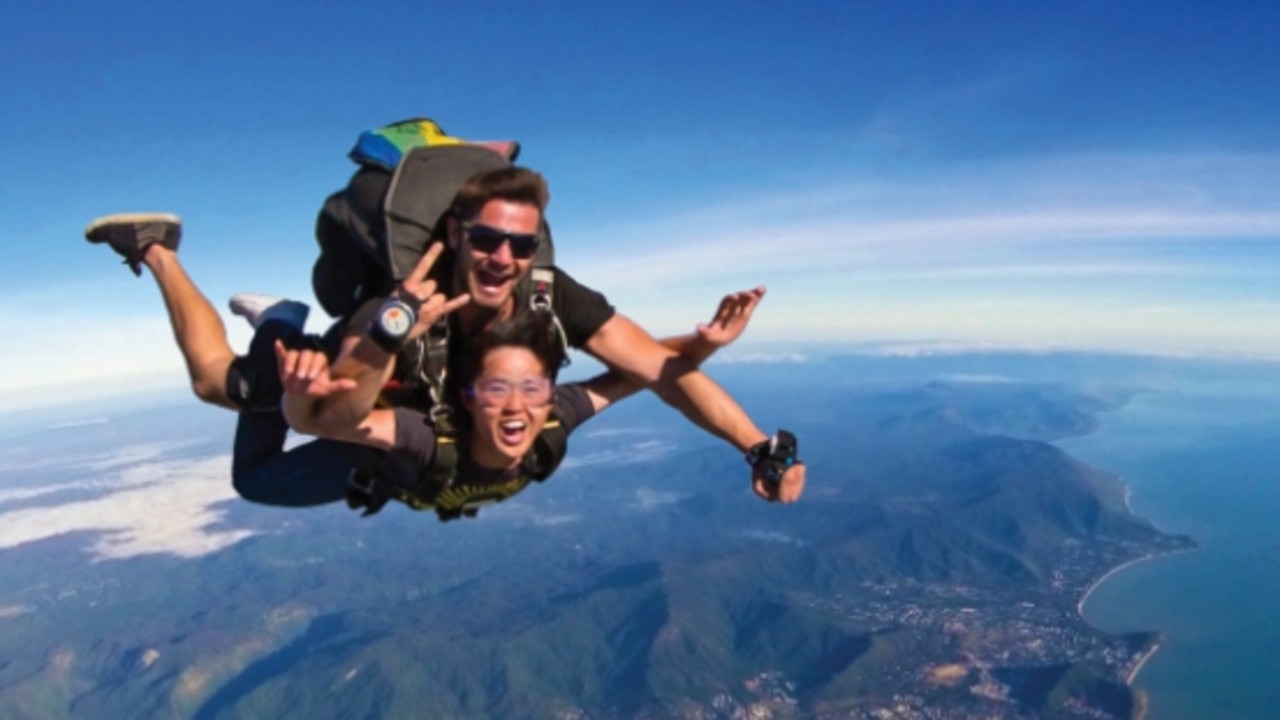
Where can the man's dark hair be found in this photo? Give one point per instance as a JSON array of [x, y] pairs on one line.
[[528, 329], [514, 184]]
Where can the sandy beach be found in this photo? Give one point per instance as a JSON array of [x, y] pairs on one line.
[[1092, 586], [1133, 674]]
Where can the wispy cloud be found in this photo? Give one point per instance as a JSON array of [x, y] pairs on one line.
[[646, 499], [928, 247], [759, 358], [1057, 252], [553, 520], [156, 507], [851, 254], [772, 536], [644, 451], [8, 611], [94, 338], [977, 379]]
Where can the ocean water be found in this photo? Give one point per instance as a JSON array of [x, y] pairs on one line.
[[1203, 460]]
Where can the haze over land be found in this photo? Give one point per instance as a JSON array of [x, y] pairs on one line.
[[936, 563]]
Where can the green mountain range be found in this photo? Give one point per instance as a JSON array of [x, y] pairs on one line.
[[936, 561]]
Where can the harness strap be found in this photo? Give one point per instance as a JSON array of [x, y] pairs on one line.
[[540, 297], [366, 492], [538, 464], [444, 464], [434, 366], [548, 450]]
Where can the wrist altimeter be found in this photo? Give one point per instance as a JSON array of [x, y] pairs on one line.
[[392, 323], [774, 456]]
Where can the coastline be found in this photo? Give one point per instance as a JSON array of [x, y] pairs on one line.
[[1142, 660], [1094, 585], [1133, 674], [1176, 454], [1141, 700], [1127, 500]]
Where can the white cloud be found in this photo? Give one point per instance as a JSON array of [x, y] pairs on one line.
[[8, 611], [553, 520], [955, 214], [27, 493], [930, 349], [168, 507], [614, 432], [928, 248], [770, 536], [640, 452], [647, 499], [977, 379], [759, 358], [78, 424], [1045, 253]]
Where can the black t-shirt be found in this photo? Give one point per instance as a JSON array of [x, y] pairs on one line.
[[410, 458], [581, 311]]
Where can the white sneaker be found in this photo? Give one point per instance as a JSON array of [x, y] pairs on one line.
[[258, 309]]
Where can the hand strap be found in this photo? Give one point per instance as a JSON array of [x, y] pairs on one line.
[[412, 301], [379, 335], [773, 457]]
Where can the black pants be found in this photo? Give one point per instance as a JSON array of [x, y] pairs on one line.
[[262, 470]]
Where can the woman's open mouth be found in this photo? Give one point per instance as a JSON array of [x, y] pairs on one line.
[[512, 432]]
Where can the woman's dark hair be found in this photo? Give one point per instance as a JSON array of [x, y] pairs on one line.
[[534, 330]]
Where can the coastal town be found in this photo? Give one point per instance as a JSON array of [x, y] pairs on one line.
[[961, 652]]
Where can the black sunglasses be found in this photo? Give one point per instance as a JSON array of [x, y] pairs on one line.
[[488, 239]]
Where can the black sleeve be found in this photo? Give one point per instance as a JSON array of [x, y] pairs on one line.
[[409, 457], [582, 311], [573, 406], [415, 442]]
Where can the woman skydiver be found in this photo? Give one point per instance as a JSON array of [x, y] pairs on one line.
[[516, 422]]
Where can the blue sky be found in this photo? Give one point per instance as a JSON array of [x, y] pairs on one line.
[[907, 176]]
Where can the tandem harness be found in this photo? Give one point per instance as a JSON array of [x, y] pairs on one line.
[[427, 362], [420, 168], [452, 499]]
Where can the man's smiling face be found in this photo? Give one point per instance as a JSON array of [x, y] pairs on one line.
[[491, 277]]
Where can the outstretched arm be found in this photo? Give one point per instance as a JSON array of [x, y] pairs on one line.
[[630, 352], [634, 355], [730, 320]]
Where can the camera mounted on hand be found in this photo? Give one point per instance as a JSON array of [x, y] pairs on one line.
[[774, 456]]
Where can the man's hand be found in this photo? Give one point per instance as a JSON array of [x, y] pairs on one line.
[[731, 317], [305, 373], [422, 293], [788, 489], [369, 364]]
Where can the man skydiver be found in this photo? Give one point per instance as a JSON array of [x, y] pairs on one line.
[[316, 472], [492, 237]]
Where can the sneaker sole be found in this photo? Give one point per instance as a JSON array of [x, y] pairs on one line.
[[127, 219]]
